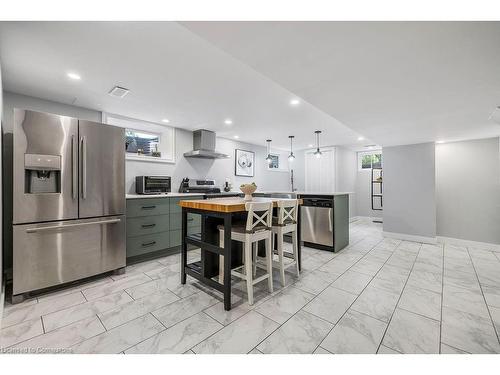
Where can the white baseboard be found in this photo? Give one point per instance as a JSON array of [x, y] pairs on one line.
[[409, 237], [368, 218], [468, 243]]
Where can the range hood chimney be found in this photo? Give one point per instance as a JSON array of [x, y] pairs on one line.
[[204, 146]]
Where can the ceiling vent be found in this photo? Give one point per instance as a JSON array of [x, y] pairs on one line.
[[119, 92]]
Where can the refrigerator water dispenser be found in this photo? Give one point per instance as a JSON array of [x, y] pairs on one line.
[[43, 173]]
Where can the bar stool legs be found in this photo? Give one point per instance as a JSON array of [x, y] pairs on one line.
[[269, 262]]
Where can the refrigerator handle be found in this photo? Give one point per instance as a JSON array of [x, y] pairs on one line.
[[330, 221], [84, 166], [56, 227], [74, 167]]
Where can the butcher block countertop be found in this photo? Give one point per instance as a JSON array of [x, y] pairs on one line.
[[225, 205]]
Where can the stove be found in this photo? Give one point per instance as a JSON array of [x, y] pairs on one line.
[[189, 185]]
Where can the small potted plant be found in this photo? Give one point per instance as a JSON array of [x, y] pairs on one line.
[[248, 190]]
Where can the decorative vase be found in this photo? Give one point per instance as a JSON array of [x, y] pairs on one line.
[[248, 190]]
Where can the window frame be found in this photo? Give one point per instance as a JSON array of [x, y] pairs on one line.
[[361, 154], [281, 159], [166, 135]]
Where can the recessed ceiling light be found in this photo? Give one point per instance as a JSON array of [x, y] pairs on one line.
[[361, 138], [310, 145], [228, 121], [440, 142], [236, 136], [74, 76], [165, 120], [294, 102]]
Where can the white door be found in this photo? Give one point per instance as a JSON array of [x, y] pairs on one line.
[[320, 172]]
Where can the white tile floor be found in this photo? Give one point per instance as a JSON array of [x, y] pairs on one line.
[[376, 296]]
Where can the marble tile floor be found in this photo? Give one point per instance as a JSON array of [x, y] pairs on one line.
[[378, 295]]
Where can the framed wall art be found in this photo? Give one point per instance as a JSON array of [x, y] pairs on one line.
[[244, 163]]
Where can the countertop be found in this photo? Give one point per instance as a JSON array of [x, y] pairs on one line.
[[307, 192], [180, 195], [169, 195], [226, 205]]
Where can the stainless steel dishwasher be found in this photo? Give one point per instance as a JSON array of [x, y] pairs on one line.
[[317, 223]]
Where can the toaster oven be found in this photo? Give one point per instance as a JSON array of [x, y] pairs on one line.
[[152, 184]]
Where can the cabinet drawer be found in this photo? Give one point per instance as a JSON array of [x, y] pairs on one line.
[[148, 206], [174, 203], [147, 244], [194, 220], [137, 226]]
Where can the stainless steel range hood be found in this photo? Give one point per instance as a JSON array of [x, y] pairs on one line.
[[204, 146]]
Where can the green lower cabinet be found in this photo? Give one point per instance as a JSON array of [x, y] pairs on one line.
[[138, 226], [147, 207], [175, 221], [155, 224], [141, 245], [175, 238]]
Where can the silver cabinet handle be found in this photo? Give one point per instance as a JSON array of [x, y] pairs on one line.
[[74, 167], [148, 225], [83, 142], [147, 244], [56, 227], [148, 207]]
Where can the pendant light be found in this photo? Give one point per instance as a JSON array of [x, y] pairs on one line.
[[317, 153], [291, 157], [269, 159]]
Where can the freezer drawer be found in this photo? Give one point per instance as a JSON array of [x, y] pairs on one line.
[[54, 253], [316, 225]]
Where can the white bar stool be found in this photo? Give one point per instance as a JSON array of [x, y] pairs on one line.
[[257, 228], [286, 222]]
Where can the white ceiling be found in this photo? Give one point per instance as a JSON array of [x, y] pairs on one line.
[[171, 72], [394, 82]]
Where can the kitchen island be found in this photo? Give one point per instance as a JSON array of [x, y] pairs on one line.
[[324, 217], [214, 212]]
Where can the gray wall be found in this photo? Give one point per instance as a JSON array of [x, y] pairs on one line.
[[409, 190], [12, 101], [218, 169], [468, 190]]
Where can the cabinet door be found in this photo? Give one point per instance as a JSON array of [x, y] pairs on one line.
[[102, 169]]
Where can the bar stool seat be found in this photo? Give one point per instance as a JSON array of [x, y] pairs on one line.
[[257, 228]]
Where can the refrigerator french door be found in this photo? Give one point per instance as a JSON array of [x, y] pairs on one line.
[[69, 200]]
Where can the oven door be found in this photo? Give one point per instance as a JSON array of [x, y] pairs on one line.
[[156, 184]]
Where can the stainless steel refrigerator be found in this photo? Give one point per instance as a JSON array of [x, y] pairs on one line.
[[68, 200]]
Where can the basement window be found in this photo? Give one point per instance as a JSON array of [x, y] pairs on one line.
[[145, 141], [369, 159], [142, 143]]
